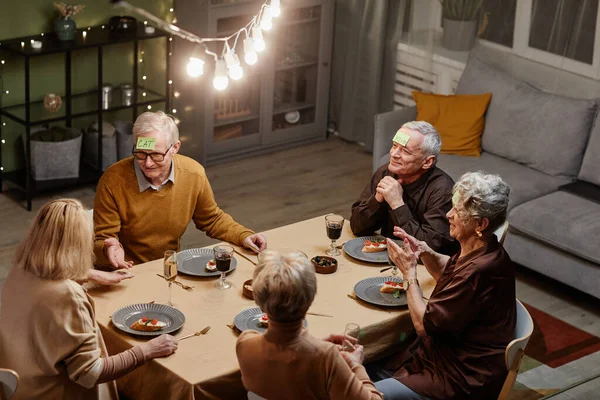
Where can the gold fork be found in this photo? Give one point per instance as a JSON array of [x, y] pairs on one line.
[[202, 332], [183, 285]]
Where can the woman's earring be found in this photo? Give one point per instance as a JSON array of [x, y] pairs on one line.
[[479, 234]]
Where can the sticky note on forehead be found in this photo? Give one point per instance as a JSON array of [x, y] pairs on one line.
[[401, 138], [144, 143], [455, 198]]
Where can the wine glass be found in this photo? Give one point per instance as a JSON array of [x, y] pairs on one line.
[[223, 254], [334, 224], [170, 270], [391, 263], [352, 330]]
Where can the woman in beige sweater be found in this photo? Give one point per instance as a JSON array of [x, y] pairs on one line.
[[287, 362], [48, 330]]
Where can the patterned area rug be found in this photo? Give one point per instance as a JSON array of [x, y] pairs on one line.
[[558, 356]]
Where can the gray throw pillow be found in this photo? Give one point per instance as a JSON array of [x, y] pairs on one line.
[[590, 169], [544, 131]]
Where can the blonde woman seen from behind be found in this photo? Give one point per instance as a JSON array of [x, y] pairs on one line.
[[287, 362], [48, 330]]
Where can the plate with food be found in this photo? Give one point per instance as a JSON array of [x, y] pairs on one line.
[[253, 318], [371, 249], [148, 319], [200, 262], [381, 291]]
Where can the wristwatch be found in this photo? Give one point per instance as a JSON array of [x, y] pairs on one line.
[[407, 282]]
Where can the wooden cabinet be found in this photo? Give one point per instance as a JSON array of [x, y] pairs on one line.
[[282, 100]]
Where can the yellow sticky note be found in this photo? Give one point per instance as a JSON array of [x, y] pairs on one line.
[[144, 143], [455, 198], [401, 138]]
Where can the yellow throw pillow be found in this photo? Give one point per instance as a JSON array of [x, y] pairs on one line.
[[458, 118]]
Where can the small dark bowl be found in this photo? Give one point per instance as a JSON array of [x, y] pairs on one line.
[[322, 269], [248, 292]]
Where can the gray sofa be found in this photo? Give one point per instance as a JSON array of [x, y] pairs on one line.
[[537, 141]]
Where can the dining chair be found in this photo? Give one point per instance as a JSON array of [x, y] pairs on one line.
[[501, 232], [91, 217], [254, 396], [9, 380], [516, 349]]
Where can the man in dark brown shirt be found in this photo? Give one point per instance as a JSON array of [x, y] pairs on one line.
[[409, 192]]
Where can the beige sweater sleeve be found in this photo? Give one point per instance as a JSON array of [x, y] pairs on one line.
[[69, 335], [217, 224], [116, 366], [345, 383]]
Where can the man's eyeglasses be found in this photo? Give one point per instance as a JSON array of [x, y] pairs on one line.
[[157, 157]]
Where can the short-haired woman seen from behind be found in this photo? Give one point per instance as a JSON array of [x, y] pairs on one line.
[[287, 362], [471, 315], [48, 330]]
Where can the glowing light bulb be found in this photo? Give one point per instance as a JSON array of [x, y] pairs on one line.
[[266, 22], [195, 66], [144, 77], [275, 8], [233, 65], [220, 82], [236, 72], [259, 42], [174, 111], [250, 55], [149, 107]]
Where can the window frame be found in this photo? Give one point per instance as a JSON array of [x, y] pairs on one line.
[[521, 46]]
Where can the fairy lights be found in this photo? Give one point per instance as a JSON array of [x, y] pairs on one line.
[[227, 64]]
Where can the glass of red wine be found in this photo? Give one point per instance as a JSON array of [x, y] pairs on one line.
[[334, 224], [223, 254]]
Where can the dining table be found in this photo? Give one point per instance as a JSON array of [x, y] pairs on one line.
[[205, 366]]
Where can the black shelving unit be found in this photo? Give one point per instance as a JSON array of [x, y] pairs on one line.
[[32, 113]]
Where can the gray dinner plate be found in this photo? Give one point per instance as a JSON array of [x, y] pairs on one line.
[[124, 317], [368, 290], [354, 249], [193, 262], [248, 319]]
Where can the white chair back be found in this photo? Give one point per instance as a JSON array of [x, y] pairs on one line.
[[254, 396], [91, 217], [516, 349], [9, 380], [501, 232]]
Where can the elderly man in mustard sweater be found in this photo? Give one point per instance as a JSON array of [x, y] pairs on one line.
[[144, 203]]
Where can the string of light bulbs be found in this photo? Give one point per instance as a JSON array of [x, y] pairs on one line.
[[227, 64]]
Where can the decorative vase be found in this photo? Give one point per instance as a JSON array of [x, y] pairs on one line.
[[459, 35], [65, 28]]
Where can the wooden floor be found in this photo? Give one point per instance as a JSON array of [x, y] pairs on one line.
[[289, 186]]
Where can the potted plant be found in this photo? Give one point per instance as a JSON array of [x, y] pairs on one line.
[[460, 20], [64, 26]]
